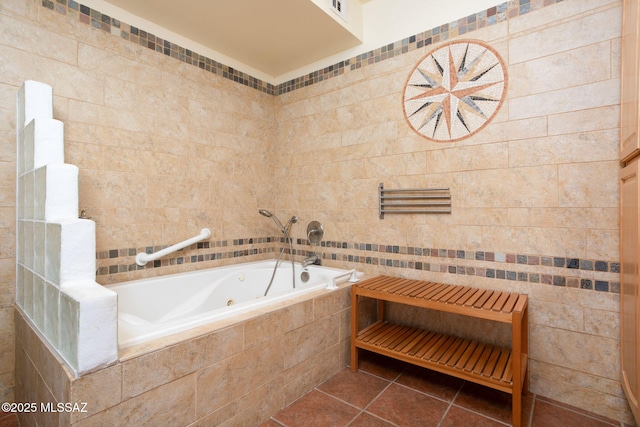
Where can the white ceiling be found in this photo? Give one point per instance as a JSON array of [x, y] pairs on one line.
[[272, 36]]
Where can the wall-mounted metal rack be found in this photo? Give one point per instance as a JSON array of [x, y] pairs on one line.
[[413, 200]]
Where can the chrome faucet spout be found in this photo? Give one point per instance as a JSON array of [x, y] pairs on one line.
[[312, 259]]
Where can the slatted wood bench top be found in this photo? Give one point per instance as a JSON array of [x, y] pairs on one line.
[[466, 300], [493, 366]]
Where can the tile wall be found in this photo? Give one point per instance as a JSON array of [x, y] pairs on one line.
[[166, 146], [534, 194]]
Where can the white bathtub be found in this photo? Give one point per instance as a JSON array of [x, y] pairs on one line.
[[160, 306]]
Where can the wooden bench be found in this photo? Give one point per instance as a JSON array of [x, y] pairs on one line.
[[500, 368]]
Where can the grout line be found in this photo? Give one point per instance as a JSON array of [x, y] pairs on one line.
[[376, 398], [277, 422], [482, 415], [381, 419], [578, 411], [426, 394], [479, 413], [449, 407], [362, 410], [533, 408]]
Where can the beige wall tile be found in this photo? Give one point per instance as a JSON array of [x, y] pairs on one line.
[[562, 149], [599, 300], [560, 70], [7, 390], [383, 85], [566, 348], [271, 325], [250, 409], [592, 392], [143, 373], [602, 323], [588, 184], [586, 218], [561, 242], [603, 244], [616, 57], [7, 340], [395, 165], [169, 404], [33, 388], [21, 8], [485, 156], [562, 12], [560, 316], [585, 120], [302, 343], [515, 187], [111, 189], [595, 95], [382, 132], [459, 236], [99, 390], [320, 366], [331, 303], [225, 381], [111, 64], [353, 93], [68, 80], [564, 36], [12, 34]]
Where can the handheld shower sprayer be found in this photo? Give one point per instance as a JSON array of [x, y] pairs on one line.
[[285, 230], [291, 221], [268, 214]]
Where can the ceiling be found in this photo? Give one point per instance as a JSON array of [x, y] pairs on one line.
[[272, 36]]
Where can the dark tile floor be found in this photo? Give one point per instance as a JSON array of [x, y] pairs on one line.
[[8, 420], [385, 393]]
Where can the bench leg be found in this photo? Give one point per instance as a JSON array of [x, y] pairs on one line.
[[516, 407], [519, 347], [354, 330]]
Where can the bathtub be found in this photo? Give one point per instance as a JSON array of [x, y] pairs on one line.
[[156, 307]]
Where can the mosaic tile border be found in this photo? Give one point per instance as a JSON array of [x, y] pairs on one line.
[[565, 265], [500, 13], [203, 254], [500, 265], [144, 38]]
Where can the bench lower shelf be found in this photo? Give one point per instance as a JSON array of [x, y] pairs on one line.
[[469, 360]]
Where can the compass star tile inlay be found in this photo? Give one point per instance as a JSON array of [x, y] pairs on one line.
[[455, 90]]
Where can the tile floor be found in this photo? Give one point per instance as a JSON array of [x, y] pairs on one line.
[[8, 420], [385, 393]]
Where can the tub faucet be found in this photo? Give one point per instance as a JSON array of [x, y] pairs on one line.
[[312, 259]]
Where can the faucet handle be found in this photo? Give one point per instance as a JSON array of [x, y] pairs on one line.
[[315, 231]]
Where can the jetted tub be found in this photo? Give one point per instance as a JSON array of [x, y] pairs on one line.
[[160, 306]]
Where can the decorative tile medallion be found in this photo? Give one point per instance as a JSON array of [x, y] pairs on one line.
[[455, 90]]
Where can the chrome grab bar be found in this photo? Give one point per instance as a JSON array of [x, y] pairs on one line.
[[142, 258]]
